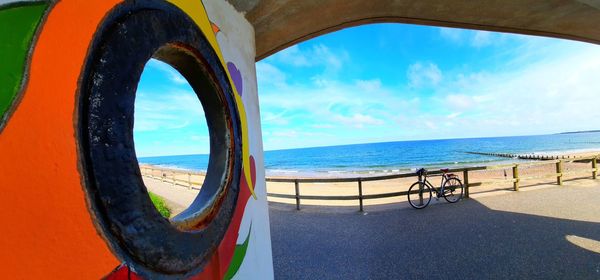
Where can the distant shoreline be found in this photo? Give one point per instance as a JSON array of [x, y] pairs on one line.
[[431, 166], [401, 157], [583, 131], [279, 173]]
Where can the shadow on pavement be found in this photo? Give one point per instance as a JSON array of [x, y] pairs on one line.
[[466, 240]]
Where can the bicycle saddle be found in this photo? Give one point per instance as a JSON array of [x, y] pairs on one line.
[[445, 170]]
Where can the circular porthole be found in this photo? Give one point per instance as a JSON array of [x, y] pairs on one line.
[[171, 138], [132, 34]]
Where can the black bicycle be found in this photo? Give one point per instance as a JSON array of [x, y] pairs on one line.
[[419, 194]]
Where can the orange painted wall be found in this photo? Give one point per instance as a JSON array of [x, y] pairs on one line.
[[47, 231]]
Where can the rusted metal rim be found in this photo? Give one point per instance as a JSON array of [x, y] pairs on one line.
[[153, 246]]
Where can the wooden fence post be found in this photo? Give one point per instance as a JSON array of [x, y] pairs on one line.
[[594, 167], [297, 187], [559, 180], [360, 195], [466, 182], [516, 177], [189, 181]]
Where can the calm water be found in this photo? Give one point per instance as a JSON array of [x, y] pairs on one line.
[[398, 156]]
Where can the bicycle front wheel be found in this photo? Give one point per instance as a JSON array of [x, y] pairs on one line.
[[453, 190], [419, 195]]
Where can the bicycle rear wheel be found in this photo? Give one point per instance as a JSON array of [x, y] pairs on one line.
[[419, 195], [453, 190]]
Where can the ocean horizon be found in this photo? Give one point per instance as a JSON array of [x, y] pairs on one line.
[[398, 156]]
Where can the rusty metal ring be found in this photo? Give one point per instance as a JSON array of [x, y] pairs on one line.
[[153, 246]]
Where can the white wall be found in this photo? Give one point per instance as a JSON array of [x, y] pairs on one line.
[[236, 40]]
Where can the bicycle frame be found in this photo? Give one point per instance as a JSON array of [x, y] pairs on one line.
[[439, 191]]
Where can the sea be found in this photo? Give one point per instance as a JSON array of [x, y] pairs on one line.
[[400, 156]]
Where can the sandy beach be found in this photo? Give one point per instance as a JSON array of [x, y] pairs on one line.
[[544, 173]]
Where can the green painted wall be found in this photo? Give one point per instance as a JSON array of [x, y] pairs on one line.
[[19, 23], [238, 257]]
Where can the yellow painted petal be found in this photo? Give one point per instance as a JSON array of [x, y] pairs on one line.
[[195, 9]]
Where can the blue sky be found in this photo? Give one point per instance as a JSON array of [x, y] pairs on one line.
[[391, 82], [169, 119]]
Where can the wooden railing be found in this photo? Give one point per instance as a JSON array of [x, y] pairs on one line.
[[170, 176], [167, 175], [516, 179]]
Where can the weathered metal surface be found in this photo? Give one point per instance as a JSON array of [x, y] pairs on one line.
[[132, 34]]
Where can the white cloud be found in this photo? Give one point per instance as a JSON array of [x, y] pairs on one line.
[[169, 122], [474, 38], [323, 126], [482, 39], [164, 111], [268, 74], [268, 118], [178, 79], [205, 138], [430, 125], [452, 34], [453, 115], [332, 61], [369, 85], [460, 101], [543, 88], [553, 95], [290, 133], [292, 56], [325, 99], [358, 120], [171, 72], [424, 74], [319, 55]]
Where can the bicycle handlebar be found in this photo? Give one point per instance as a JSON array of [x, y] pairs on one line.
[[423, 171]]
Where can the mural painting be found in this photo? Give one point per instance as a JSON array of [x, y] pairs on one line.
[[73, 199]]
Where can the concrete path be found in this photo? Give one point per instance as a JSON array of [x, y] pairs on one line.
[[178, 198], [549, 233], [542, 232]]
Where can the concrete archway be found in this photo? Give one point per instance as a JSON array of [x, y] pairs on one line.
[[281, 23]]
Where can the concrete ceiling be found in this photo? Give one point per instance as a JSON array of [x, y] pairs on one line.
[[281, 23]]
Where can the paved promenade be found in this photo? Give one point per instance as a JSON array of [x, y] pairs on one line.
[[177, 197], [549, 233], [541, 232]]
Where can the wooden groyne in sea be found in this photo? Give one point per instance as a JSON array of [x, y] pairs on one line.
[[522, 156]]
